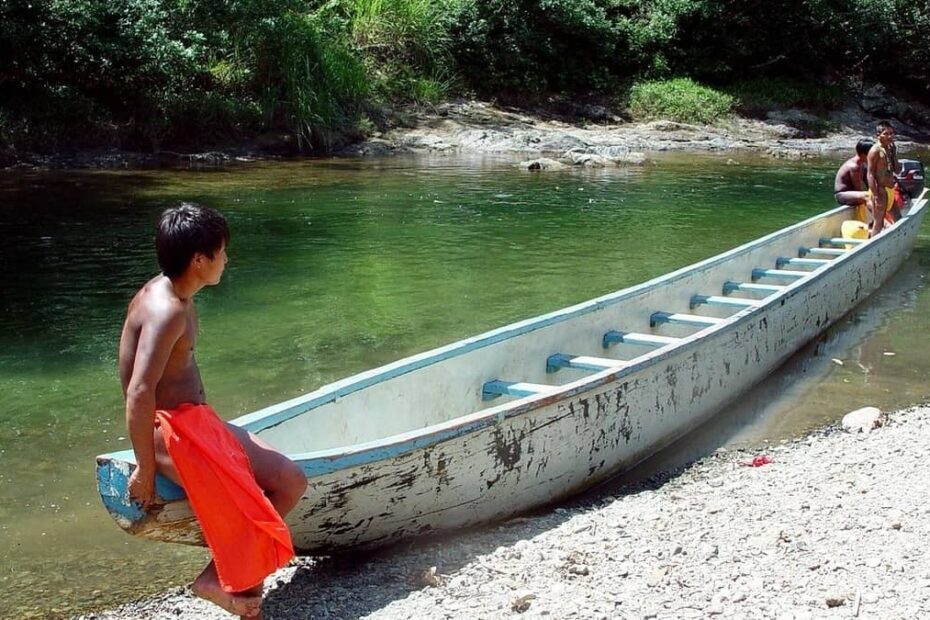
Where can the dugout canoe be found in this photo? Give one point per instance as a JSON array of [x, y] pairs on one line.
[[533, 412]]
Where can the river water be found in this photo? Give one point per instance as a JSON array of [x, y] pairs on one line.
[[337, 266]]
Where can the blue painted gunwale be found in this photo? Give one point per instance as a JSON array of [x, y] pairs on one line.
[[322, 462]]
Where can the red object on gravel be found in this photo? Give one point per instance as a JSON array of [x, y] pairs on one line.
[[758, 461]]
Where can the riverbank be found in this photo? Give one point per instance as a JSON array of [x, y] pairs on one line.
[[481, 127], [834, 526], [584, 135]]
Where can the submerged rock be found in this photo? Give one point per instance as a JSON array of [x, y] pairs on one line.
[[543, 163], [588, 160]]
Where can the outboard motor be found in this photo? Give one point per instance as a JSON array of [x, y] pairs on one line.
[[911, 178]]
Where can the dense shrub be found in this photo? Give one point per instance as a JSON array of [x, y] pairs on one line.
[[680, 100], [535, 46], [70, 63], [760, 95]]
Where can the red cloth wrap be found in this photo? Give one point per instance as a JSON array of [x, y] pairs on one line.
[[245, 533]]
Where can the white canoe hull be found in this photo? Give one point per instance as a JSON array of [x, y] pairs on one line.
[[474, 468]]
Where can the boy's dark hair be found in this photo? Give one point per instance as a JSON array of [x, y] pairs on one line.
[[882, 126], [864, 146], [184, 230]]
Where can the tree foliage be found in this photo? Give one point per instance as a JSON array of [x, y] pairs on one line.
[[143, 73]]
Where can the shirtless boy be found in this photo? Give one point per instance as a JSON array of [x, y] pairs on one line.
[[849, 187], [881, 179], [238, 486]]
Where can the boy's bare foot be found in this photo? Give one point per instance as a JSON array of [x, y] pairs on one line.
[[256, 591], [244, 604]]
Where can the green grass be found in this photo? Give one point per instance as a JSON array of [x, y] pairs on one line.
[[680, 99], [405, 46]]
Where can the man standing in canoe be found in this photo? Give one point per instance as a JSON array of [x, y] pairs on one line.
[[238, 486], [882, 166], [849, 187]]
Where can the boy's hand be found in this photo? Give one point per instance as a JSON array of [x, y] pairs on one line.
[[142, 487]]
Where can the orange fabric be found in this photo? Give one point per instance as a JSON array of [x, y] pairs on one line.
[[247, 537]]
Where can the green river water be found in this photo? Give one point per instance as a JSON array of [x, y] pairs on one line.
[[337, 266]]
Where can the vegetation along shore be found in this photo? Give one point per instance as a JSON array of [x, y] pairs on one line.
[[161, 79]]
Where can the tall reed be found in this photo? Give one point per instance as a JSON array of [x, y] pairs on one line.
[[305, 79]]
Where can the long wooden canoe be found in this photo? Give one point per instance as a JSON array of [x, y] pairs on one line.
[[538, 410]]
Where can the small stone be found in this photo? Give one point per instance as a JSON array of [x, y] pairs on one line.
[[522, 602], [579, 569], [835, 601], [709, 552], [430, 578], [657, 577], [862, 420]]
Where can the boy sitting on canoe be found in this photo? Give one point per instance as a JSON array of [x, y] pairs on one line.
[[849, 187], [238, 486]]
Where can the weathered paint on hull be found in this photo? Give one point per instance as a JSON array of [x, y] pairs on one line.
[[522, 455], [552, 452]]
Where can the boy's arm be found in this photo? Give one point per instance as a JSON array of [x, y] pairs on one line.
[[873, 163], [838, 184], [156, 341]]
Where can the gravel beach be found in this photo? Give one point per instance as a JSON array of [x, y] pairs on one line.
[[835, 526]]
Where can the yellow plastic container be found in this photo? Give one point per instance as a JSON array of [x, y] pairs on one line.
[[854, 229]]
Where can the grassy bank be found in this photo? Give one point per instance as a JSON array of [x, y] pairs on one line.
[[183, 74]]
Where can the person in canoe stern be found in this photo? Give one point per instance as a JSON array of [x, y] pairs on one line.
[[882, 165], [238, 486], [850, 186]]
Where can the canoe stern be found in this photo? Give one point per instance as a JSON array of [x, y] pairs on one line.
[[170, 519]]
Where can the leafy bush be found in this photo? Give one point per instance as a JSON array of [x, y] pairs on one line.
[[198, 118], [768, 94], [534, 46], [74, 72], [680, 100]]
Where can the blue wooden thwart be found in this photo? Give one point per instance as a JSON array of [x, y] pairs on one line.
[[644, 340], [716, 300], [580, 362], [691, 320], [803, 251], [779, 274], [841, 241], [493, 389], [750, 287], [784, 261]]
